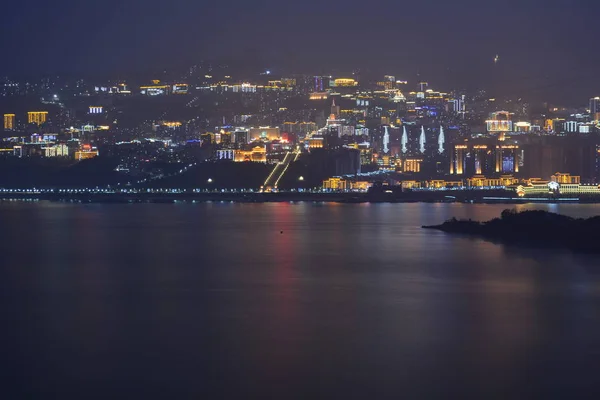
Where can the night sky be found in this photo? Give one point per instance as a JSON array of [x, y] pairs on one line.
[[547, 47]]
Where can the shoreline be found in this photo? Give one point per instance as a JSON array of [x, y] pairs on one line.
[[342, 198]]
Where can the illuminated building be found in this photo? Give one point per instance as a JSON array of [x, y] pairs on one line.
[[335, 110], [564, 178], [9, 122], [412, 164], [560, 183], [522, 127], [59, 150], [500, 121], [171, 124], [86, 152], [227, 154], [340, 184], [240, 137], [478, 181], [442, 184], [318, 96], [180, 88], [37, 117], [264, 133], [458, 159], [345, 82], [95, 110], [257, 154], [386, 85], [594, 105], [208, 138], [481, 154], [320, 83], [155, 90], [244, 88], [315, 142], [336, 184], [407, 185], [507, 158]]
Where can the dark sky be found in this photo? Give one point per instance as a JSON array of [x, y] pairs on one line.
[[544, 45]]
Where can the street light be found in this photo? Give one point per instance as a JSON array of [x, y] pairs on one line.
[[209, 180]]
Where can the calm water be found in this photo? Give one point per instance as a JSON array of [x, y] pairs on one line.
[[350, 301]]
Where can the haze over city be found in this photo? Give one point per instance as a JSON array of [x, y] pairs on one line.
[[306, 200]]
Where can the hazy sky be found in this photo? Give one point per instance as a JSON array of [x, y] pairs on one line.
[[542, 44]]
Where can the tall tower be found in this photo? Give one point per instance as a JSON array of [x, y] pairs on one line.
[[335, 110], [404, 140], [594, 105], [386, 140], [422, 140], [441, 140]]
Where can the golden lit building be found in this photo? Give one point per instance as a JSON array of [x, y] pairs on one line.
[[560, 183], [345, 82], [9, 122], [440, 184], [411, 185], [336, 184], [37, 117], [458, 159], [318, 96], [264, 133], [413, 164], [563, 178], [315, 143], [482, 181], [85, 154], [257, 154]]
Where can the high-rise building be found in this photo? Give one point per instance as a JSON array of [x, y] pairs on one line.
[[37, 117], [458, 159], [9, 122], [594, 105]]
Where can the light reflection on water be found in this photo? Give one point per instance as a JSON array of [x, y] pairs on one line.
[[288, 300]]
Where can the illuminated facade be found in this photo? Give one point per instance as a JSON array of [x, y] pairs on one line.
[[257, 154], [345, 82], [478, 181], [318, 96], [264, 133], [458, 159], [500, 121], [560, 184], [413, 164], [316, 143], [85, 154], [60, 150], [155, 90], [9, 122], [507, 158], [180, 88], [37, 117], [95, 110], [340, 184]]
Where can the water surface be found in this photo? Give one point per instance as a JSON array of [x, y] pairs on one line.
[[289, 300]]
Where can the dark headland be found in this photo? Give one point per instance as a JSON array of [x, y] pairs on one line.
[[532, 228]]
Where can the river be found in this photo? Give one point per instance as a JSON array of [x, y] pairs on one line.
[[289, 300]]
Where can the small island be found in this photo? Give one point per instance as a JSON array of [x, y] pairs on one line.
[[532, 228]]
